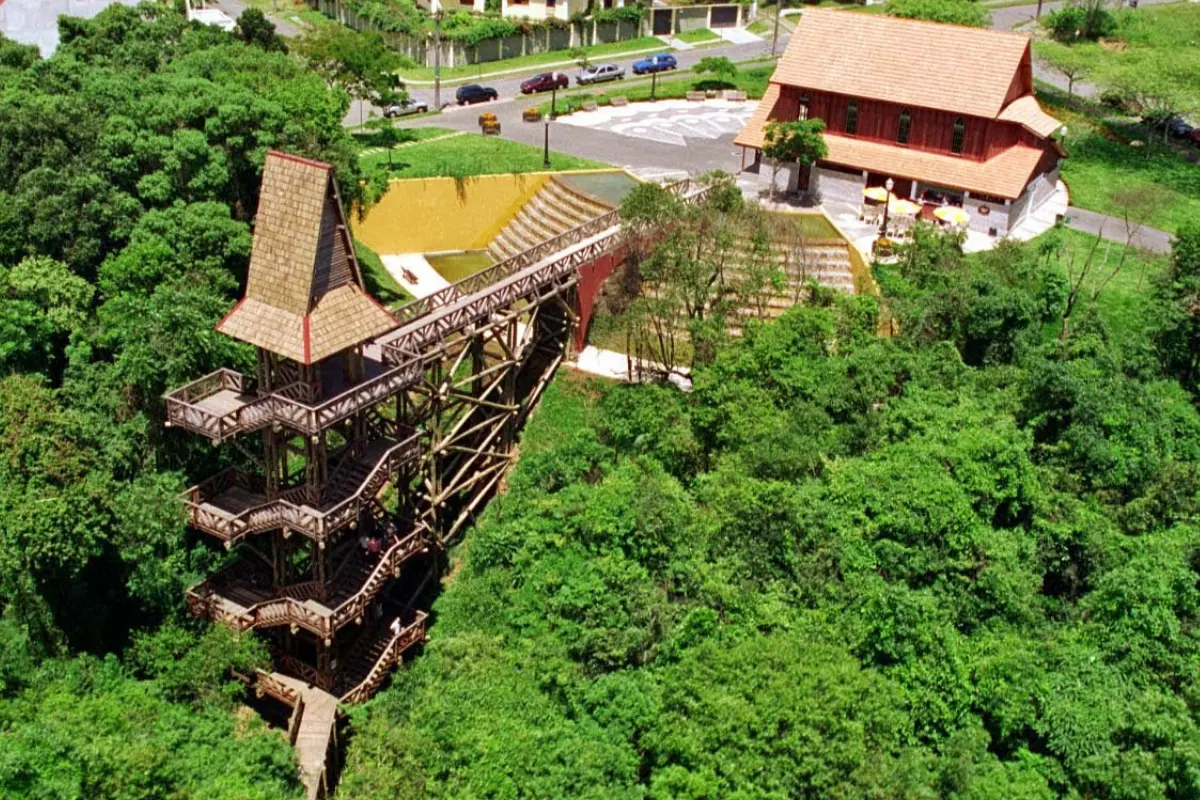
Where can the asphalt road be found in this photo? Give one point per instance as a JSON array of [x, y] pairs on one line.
[[509, 86]]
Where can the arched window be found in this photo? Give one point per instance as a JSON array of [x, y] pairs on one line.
[[902, 130], [960, 133], [852, 117]]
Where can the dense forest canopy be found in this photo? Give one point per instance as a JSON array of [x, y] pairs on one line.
[[129, 169], [959, 561]]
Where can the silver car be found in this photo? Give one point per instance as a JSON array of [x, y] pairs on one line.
[[599, 73]]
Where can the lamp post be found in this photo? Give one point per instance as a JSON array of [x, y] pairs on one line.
[[437, 57], [554, 98], [546, 145], [887, 201], [653, 87]]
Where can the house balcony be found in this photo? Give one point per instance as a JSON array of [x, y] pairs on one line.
[[233, 504], [240, 596], [225, 403]]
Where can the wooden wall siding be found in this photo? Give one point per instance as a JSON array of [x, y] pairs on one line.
[[930, 130]]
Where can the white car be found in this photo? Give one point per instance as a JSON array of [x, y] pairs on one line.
[[599, 73]]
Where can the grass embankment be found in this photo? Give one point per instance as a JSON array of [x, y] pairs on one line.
[[467, 155], [1124, 301], [1153, 47], [378, 280], [473, 72], [697, 36], [752, 81], [1101, 162]]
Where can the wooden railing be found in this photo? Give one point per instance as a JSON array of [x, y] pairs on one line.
[[266, 683], [297, 604], [285, 406], [406, 638], [289, 509], [509, 280]]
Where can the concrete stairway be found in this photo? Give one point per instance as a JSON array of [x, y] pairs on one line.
[[554, 209]]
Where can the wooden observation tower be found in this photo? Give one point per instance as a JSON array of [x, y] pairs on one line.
[[317, 549]]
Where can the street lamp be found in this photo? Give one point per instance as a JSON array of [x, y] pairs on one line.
[[887, 201], [554, 99], [653, 87], [546, 145]]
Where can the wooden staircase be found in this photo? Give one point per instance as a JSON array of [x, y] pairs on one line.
[[553, 210]]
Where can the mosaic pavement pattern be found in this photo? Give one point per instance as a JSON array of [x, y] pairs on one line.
[[668, 121]]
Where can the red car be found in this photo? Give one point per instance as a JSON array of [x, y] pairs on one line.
[[545, 82]]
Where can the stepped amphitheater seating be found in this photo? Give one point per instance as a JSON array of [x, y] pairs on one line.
[[554, 209], [827, 261]]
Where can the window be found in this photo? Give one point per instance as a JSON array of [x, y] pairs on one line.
[[960, 133], [902, 130], [852, 117], [802, 111]]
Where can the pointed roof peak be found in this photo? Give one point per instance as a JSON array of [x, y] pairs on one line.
[[304, 293]]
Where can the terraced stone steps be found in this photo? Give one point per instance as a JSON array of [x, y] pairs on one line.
[[553, 210]]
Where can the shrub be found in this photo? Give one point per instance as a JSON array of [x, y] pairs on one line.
[[1081, 23]]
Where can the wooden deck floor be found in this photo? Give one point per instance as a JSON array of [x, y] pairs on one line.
[[316, 733]]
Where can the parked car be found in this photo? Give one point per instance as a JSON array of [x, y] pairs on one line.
[[405, 107], [474, 93], [1180, 128], [545, 82], [659, 63], [599, 73]]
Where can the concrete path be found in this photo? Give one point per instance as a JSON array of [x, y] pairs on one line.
[[737, 35], [414, 273], [616, 366], [234, 9], [1113, 229]]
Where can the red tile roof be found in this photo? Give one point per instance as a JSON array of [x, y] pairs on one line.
[[1026, 112], [1005, 175], [924, 64]]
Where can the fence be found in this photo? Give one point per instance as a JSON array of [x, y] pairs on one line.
[[453, 53]]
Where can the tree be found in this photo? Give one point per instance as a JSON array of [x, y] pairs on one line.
[[254, 28], [386, 135], [801, 142], [1072, 63], [362, 64], [720, 67], [1165, 83], [952, 12], [1177, 310]]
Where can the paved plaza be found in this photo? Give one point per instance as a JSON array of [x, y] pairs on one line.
[[668, 121]]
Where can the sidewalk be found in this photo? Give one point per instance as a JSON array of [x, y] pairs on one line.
[[1113, 229]]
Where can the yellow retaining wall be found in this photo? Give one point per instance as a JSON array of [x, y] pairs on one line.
[[429, 215]]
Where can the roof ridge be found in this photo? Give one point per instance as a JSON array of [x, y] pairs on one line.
[[909, 20], [300, 159]]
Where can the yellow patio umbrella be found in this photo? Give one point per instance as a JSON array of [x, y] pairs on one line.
[[952, 214], [903, 207], [879, 193]]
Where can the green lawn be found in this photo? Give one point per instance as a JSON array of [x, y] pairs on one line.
[[378, 280], [752, 81], [1100, 161], [1123, 302], [473, 72], [760, 27], [697, 36], [470, 154]]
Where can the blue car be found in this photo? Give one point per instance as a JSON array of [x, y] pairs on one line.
[[659, 63]]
